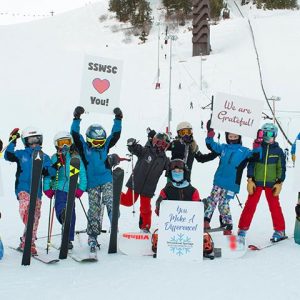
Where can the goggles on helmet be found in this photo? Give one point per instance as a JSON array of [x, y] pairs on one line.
[[64, 142], [96, 143], [185, 131], [34, 140], [160, 144], [269, 134], [177, 164]]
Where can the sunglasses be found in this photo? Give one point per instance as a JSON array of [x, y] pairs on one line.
[[185, 131], [96, 143], [64, 142]]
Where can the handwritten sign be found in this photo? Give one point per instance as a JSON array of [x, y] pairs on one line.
[[101, 84], [180, 233], [236, 114]]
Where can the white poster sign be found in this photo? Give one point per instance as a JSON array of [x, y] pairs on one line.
[[236, 114], [101, 84], [180, 233]]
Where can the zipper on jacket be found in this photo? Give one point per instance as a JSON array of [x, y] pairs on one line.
[[266, 163]]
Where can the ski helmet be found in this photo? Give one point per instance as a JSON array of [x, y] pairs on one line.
[[177, 164], [184, 125], [31, 136], [95, 136], [237, 141], [270, 132], [161, 141], [63, 139]]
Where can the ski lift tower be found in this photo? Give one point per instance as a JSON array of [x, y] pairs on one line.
[[201, 31]]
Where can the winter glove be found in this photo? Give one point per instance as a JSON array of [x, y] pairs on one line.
[[113, 160], [78, 193], [14, 135], [131, 142], [49, 193], [79, 110], [297, 210], [1, 145], [277, 189], [210, 131], [118, 113], [259, 139], [251, 186], [293, 157], [151, 133]]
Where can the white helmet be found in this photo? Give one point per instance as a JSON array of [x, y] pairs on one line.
[[63, 138], [184, 125], [31, 135]]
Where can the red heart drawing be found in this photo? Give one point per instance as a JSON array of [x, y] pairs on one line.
[[101, 85]]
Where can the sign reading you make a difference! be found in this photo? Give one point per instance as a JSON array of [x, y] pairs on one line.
[[101, 84], [236, 114]]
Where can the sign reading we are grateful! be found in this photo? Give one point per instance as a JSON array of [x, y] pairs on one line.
[[236, 114], [101, 84], [180, 233]]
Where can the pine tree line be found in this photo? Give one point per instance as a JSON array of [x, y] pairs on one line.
[[276, 4]]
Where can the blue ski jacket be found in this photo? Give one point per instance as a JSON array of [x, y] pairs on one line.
[[97, 170], [61, 180], [233, 160], [23, 158], [293, 149]]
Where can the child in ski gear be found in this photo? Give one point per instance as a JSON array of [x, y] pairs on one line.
[[293, 149], [93, 152], [32, 139], [233, 159], [58, 186], [151, 163], [179, 188], [267, 174], [185, 147]]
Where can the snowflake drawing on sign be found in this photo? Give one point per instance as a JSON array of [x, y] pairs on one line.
[[180, 244]]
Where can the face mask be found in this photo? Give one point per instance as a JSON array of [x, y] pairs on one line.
[[269, 140], [177, 176]]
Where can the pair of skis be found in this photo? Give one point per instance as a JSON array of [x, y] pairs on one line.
[[37, 165]]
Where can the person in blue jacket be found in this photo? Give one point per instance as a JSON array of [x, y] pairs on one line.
[[293, 149], [233, 159], [32, 139], [93, 152], [59, 185]]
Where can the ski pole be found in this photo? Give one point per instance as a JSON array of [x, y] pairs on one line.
[[240, 203], [133, 193], [49, 225], [87, 218], [12, 140]]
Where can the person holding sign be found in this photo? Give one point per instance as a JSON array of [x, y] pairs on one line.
[[267, 174], [233, 159], [152, 161], [93, 151]]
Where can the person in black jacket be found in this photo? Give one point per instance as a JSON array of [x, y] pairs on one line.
[[185, 147], [151, 163]]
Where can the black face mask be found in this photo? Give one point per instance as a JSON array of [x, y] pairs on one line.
[[233, 142]]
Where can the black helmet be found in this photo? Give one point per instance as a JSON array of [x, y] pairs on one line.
[[177, 164], [228, 141]]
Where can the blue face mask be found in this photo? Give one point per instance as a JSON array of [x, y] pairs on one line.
[[177, 176]]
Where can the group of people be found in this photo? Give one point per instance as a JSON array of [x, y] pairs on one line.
[[265, 172]]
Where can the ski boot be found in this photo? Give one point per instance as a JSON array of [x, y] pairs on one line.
[[278, 236], [70, 245], [227, 229], [206, 224], [241, 236], [33, 249], [92, 241]]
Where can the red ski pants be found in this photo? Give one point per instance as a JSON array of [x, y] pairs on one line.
[[250, 207], [145, 207], [24, 199]]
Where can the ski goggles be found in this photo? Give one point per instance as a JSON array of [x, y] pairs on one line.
[[96, 143], [161, 144], [185, 131], [35, 140], [269, 134], [64, 142], [177, 164]]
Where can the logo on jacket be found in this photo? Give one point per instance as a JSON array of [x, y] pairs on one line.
[[38, 156], [149, 159]]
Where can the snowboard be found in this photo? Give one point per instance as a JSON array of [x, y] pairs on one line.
[[297, 226], [136, 243], [36, 172], [118, 177], [73, 175], [270, 244]]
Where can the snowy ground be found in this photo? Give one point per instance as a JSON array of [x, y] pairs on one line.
[[40, 77]]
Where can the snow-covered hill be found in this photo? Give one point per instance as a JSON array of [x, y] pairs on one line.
[[40, 80]]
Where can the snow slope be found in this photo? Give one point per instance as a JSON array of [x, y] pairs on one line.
[[40, 78]]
